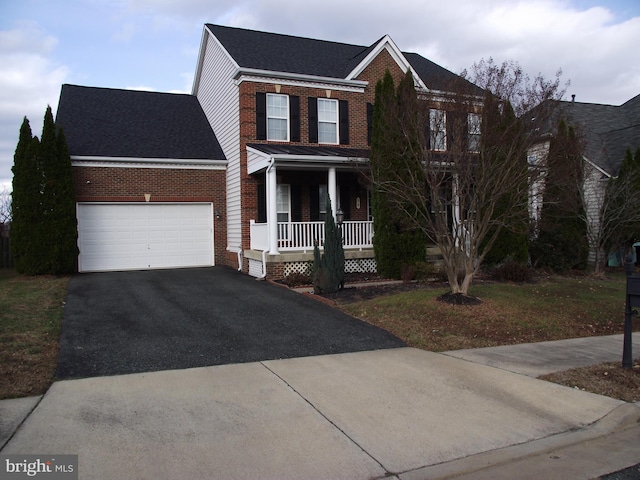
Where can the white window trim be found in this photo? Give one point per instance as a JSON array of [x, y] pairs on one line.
[[278, 118], [337, 121], [474, 120], [284, 187], [438, 119]]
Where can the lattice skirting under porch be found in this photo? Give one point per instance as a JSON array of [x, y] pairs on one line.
[[352, 265]]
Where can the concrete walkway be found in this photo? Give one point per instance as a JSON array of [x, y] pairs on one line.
[[396, 413]]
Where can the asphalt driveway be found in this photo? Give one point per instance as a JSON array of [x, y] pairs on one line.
[[142, 321]]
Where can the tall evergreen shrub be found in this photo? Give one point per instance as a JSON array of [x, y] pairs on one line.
[[44, 231], [328, 267], [396, 243]]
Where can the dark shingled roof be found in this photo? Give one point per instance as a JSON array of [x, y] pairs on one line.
[[285, 53], [109, 122], [608, 130]]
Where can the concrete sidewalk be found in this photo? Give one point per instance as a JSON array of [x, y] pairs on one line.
[[398, 413], [535, 359]]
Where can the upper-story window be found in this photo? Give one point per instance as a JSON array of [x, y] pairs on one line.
[[474, 125], [328, 121], [438, 129], [277, 117]]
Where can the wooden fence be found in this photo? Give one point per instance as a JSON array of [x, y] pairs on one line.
[[6, 261]]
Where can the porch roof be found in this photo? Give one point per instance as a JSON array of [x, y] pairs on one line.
[[301, 156]]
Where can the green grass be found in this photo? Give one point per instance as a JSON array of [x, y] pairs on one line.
[[30, 323], [549, 309]]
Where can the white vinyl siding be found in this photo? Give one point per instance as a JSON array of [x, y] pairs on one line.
[[219, 96]]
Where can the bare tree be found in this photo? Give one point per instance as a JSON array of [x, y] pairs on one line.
[[612, 208], [463, 175], [5, 206]]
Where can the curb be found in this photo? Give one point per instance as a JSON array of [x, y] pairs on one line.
[[621, 418]]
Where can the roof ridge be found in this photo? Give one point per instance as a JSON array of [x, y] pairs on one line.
[[126, 90], [299, 37]]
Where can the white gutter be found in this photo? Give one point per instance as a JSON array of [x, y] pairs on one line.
[[299, 76], [137, 162]]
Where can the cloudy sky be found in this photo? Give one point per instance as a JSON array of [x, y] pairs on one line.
[[153, 44]]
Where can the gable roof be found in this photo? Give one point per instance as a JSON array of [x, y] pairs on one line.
[[273, 52], [105, 122], [608, 130]]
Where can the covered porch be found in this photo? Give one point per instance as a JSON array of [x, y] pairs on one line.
[[293, 184]]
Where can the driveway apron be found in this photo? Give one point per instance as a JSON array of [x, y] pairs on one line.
[[141, 321]]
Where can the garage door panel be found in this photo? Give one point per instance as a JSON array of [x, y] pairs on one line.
[[144, 236]]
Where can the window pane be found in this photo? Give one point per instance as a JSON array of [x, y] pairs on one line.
[[277, 129], [277, 106], [322, 192], [327, 110], [327, 133], [283, 198], [474, 125]]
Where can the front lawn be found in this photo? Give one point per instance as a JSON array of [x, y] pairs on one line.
[[549, 309], [30, 322]]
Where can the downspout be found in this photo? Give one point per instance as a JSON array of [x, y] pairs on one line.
[[239, 252], [272, 161]]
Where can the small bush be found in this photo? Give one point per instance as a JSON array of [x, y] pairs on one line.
[[297, 279], [426, 271], [513, 272]]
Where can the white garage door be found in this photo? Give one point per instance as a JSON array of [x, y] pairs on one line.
[[144, 236]]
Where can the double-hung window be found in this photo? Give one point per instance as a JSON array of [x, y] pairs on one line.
[[474, 122], [328, 121], [277, 117], [438, 129]]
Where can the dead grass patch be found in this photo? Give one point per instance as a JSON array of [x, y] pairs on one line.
[[608, 379], [30, 322]]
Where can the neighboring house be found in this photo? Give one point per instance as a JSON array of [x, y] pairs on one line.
[[607, 131], [289, 122]]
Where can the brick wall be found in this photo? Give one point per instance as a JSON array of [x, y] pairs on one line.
[[106, 184], [357, 133]]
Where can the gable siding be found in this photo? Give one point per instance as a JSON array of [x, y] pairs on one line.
[[218, 95], [594, 191]]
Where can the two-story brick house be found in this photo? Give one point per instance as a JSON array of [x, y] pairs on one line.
[[293, 117], [288, 123]]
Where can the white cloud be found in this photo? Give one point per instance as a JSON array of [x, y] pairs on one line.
[[591, 44], [29, 81]]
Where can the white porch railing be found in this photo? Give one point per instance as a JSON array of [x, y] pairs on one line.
[[304, 235]]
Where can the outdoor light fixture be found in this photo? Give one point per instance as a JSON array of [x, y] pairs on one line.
[[217, 214], [339, 216]]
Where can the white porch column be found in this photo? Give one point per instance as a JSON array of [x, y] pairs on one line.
[[272, 209], [332, 190]]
